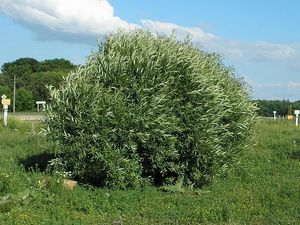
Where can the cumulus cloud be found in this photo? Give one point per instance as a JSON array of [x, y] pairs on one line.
[[87, 20], [65, 19], [257, 51], [181, 32], [264, 50]]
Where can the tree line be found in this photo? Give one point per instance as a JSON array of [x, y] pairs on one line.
[[32, 77], [282, 107]]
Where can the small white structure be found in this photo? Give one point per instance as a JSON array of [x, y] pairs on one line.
[[42, 103], [297, 112], [274, 112]]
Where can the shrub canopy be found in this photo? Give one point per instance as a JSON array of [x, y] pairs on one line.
[[150, 107]]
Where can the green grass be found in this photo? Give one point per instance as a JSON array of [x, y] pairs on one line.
[[263, 189]]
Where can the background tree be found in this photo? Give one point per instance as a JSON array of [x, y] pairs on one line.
[[266, 107], [61, 65], [32, 76], [24, 100], [5, 90], [40, 80], [21, 68]]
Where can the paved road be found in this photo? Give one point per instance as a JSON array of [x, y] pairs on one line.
[[28, 117]]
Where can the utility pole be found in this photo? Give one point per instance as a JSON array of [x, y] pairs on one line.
[[14, 102]]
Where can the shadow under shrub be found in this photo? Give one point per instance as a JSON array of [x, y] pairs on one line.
[[39, 162], [150, 107]]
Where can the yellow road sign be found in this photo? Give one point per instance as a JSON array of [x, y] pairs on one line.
[[6, 101]]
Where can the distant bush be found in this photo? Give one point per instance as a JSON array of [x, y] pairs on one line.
[[32, 77], [282, 107], [24, 100], [5, 90], [147, 107]]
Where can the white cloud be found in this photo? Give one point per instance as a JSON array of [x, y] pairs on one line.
[[287, 85], [271, 51], [86, 20], [55, 18], [294, 85], [181, 32], [257, 51]]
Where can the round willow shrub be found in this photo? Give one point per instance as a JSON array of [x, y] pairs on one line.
[[150, 107]]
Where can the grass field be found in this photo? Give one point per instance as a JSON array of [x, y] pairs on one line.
[[263, 189]]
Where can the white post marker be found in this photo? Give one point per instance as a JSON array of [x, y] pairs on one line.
[[274, 112], [297, 112], [5, 108], [5, 102]]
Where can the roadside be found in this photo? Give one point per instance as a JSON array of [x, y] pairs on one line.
[[27, 116]]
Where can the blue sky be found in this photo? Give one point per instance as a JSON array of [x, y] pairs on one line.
[[261, 39]]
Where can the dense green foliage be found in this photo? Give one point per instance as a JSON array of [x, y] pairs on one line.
[[24, 100], [266, 107], [42, 80], [32, 77], [152, 108], [5, 90], [265, 188]]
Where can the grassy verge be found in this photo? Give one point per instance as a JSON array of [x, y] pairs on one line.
[[263, 189], [26, 113]]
